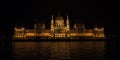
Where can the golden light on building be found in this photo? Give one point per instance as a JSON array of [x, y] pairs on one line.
[[58, 29], [29, 34]]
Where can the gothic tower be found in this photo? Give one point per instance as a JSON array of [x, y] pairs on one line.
[[52, 24], [68, 27], [67, 24]]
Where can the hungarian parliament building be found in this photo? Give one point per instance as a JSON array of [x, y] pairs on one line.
[[59, 29]]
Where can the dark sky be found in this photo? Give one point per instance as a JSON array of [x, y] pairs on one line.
[[89, 12]]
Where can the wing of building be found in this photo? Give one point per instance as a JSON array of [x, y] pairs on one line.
[[58, 29]]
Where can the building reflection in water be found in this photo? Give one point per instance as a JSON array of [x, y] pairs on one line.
[[77, 50]]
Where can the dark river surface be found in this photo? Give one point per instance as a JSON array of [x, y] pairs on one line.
[[58, 50]]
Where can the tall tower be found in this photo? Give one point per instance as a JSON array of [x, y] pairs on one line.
[[68, 27], [52, 23], [67, 24]]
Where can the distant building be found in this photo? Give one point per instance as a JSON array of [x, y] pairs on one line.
[[58, 29]]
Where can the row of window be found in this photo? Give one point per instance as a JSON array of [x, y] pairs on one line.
[[19, 36], [60, 35], [99, 35]]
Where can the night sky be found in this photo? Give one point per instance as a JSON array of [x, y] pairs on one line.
[[27, 13]]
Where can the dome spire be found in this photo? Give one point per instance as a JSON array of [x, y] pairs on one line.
[[59, 12]]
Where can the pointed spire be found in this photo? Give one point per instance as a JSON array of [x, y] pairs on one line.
[[67, 16], [52, 16], [52, 20], [51, 11], [67, 22]]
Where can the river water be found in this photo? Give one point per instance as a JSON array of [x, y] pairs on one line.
[[59, 50]]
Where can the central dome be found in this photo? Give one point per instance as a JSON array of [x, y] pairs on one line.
[[59, 22], [59, 18]]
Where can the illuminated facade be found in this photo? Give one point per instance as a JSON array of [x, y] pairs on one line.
[[58, 29]]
